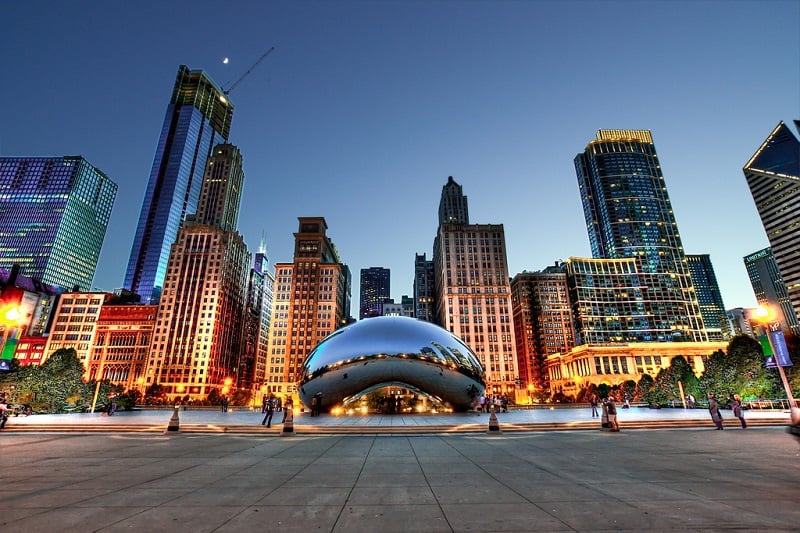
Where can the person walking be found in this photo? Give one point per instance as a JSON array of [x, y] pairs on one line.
[[738, 409], [269, 410], [594, 401], [3, 411], [612, 413], [713, 409]]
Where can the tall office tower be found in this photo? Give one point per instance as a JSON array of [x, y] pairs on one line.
[[542, 323], [453, 204], [74, 323], [769, 287], [54, 212], [312, 299], [773, 175], [629, 216], [738, 322], [424, 289], [472, 290], [198, 118], [706, 288], [257, 320], [199, 339], [375, 288], [121, 345]]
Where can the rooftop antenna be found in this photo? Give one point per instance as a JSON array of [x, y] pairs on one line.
[[248, 71]]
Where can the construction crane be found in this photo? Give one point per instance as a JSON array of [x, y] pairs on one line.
[[248, 71]]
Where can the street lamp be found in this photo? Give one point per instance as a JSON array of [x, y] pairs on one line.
[[766, 319]]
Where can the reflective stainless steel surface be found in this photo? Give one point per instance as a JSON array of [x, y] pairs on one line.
[[392, 350]]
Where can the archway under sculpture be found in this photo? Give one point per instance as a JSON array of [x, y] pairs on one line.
[[392, 349]]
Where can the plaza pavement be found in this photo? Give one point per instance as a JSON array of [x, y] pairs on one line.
[[656, 480]]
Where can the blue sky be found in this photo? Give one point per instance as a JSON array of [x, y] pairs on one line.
[[365, 108]]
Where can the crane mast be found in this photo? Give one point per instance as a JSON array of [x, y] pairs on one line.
[[248, 71]]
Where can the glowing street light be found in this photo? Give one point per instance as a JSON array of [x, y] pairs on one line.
[[766, 317]]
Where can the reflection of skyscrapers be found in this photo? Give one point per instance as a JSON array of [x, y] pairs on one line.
[[630, 221], [773, 175], [198, 118], [472, 288], [53, 217], [375, 291], [769, 288], [311, 300], [199, 339], [706, 289]]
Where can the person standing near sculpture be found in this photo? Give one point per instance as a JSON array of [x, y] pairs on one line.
[[269, 410], [713, 409], [594, 401], [612, 413], [738, 409]]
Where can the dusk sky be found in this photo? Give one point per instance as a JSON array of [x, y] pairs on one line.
[[365, 108]]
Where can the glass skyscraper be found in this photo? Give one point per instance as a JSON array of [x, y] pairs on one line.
[[773, 175], [54, 212], [375, 287], [769, 287], [629, 217], [706, 289], [198, 117]]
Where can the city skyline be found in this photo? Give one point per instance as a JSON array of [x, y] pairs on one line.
[[366, 105]]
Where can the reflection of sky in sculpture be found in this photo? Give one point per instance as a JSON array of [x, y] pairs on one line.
[[392, 349]]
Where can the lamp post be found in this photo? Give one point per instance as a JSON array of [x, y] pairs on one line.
[[764, 317]]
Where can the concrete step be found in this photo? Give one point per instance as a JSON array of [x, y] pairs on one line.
[[378, 429]]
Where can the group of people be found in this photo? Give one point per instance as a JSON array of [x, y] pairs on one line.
[[270, 404], [500, 402], [735, 403]]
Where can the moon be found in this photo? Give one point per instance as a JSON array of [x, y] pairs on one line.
[[225, 61]]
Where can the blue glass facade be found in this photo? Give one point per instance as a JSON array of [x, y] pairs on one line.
[[54, 212], [197, 119], [708, 294], [629, 216]]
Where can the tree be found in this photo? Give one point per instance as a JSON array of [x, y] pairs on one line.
[[643, 387], [741, 371], [667, 380]]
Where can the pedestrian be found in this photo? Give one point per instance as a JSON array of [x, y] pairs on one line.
[[713, 408], [224, 404], [626, 401], [482, 402], [264, 401], [690, 401], [317, 403], [113, 408], [612, 413], [278, 405], [3, 412], [738, 409], [269, 410], [287, 406], [594, 401]]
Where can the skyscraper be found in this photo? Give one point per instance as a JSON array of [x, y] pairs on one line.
[[198, 118], [773, 175], [472, 289], [542, 323], [375, 291], [709, 297], [629, 219], [54, 212], [424, 289], [769, 288], [311, 300], [453, 204], [198, 344]]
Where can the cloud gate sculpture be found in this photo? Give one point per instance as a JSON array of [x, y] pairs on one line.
[[392, 350]]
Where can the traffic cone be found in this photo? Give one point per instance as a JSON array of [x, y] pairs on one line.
[[174, 422], [494, 425], [288, 424]]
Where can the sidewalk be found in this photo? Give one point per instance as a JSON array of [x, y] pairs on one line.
[[575, 418], [668, 480]]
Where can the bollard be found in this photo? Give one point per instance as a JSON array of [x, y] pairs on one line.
[[494, 425], [288, 423], [174, 422]]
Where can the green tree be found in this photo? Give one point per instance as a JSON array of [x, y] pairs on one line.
[[643, 386], [741, 371], [678, 374]]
